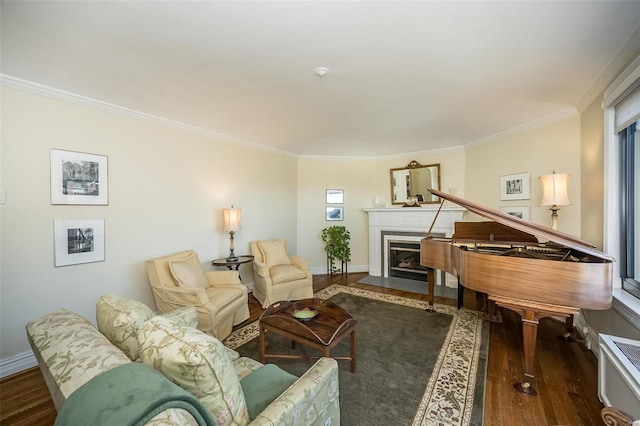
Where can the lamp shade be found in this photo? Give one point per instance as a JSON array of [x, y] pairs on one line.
[[231, 219], [555, 189]]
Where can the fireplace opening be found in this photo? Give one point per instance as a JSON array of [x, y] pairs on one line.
[[404, 260]]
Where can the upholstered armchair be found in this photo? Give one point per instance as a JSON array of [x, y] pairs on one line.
[[278, 276], [178, 280]]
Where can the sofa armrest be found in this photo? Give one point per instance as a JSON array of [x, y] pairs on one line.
[[312, 400], [179, 297], [223, 277], [261, 269], [300, 262], [71, 351]]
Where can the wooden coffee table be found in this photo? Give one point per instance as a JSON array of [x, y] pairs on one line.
[[324, 331]]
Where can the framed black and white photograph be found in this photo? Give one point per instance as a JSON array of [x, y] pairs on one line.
[[335, 196], [78, 241], [335, 213], [78, 178], [521, 212], [515, 187]]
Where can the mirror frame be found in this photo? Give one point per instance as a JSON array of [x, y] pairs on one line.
[[415, 165]]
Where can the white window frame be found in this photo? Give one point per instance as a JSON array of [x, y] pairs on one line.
[[622, 301]]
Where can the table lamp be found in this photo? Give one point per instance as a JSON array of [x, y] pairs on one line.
[[555, 194], [231, 225]]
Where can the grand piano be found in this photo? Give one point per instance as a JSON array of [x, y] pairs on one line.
[[525, 267]]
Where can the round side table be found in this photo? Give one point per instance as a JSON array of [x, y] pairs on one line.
[[232, 265]]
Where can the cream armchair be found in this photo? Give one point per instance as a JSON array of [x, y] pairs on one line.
[[278, 276], [220, 298]]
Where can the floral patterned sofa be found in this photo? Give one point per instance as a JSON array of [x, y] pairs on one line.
[[71, 352]]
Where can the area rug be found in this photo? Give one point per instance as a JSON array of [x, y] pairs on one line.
[[413, 367]]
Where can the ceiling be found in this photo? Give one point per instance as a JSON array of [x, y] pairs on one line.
[[405, 76]]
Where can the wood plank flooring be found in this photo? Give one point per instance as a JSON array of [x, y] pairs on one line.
[[566, 374]]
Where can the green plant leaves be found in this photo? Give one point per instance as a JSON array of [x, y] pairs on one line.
[[336, 243]]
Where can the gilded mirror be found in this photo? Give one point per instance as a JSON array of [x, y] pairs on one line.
[[414, 180]]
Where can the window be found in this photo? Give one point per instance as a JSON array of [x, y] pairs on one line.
[[622, 183], [629, 163]]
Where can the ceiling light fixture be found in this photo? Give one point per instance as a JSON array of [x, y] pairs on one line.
[[321, 71]]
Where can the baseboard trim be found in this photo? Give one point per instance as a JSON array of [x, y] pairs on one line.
[[319, 270], [17, 363], [591, 338]]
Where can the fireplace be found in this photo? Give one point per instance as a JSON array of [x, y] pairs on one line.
[[405, 224], [404, 260]]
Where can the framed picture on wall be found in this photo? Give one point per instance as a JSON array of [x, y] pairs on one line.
[[521, 212], [515, 187], [78, 178], [334, 213], [78, 241], [335, 196]]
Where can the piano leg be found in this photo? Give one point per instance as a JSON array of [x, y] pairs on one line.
[[529, 337], [431, 288], [568, 335], [531, 313], [490, 310]]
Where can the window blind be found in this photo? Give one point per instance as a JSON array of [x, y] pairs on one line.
[[628, 109]]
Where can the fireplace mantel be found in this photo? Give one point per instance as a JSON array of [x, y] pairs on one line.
[[407, 219]]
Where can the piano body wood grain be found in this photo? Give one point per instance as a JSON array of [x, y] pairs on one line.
[[507, 260]]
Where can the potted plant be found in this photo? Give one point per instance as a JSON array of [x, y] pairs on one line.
[[336, 243]]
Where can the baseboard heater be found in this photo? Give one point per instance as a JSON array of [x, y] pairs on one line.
[[619, 374]]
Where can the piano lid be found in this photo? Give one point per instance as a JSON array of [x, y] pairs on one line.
[[541, 232]]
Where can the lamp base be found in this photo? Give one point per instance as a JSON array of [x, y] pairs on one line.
[[232, 256], [554, 217]]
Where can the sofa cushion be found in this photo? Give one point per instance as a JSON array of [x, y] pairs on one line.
[[188, 272], [197, 362], [275, 252], [187, 316], [119, 320], [244, 366], [264, 385], [286, 273]]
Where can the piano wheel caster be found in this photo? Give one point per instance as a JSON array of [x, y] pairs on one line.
[[567, 337], [525, 388], [430, 308]]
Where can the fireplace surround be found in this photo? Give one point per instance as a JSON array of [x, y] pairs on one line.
[[404, 260], [405, 225]]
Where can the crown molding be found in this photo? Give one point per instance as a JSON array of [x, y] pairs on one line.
[[42, 90], [610, 75], [550, 119]]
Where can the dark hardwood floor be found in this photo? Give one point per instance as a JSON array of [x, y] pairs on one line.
[[566, 374]]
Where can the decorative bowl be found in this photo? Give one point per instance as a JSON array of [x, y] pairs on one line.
[[304, 314]]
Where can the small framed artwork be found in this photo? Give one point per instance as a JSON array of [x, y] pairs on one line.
[[78, 178], [515, 187], [335, 213], [335, 196], [78, 241], [521, 212]]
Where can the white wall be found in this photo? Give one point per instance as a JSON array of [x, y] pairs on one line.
[[166, 191], [361, 179], [592, 172], [315, 176], [539, 151]]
